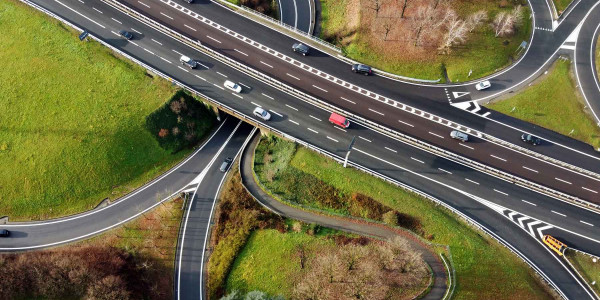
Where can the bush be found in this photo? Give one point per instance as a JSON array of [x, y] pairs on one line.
[[390, 218], [181, 122]]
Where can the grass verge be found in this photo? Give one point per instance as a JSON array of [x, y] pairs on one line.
[[134, 261], [72, 131], [553, 103], [484, 269], [345, 23], [561, 5], [587, 267]]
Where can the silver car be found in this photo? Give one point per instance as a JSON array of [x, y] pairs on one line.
[[261, 113], [461, 136]]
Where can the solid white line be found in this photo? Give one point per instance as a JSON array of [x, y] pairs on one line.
[[315, 118], [212, 38], [266, 64], [445, 171], [436, 134], [268, 96], [411, 125], [276, 113], [222, 74], [292, 107], [97, 10], [322, 89], [185, 70], [332, 139], [469, 180], [529, 202], [117, 21], [189, 27], [466, 146], [219, 86], [555, 212], [376, 112], [167, 16], [200, 77], [362, 138], [417, 160], [496, 157], [255, 104], [586, 223], [348, 100], [148, 51], [203, 174], [237, 95], [562, 180], [294, 122], [238, 51], [589, 190], [80, 14], [530, 169], [144, 4], [156, 42], [133, 43], [288, 74], [503, 193], [391, 149]]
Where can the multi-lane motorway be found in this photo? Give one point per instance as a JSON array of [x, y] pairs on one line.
[[510, 213]]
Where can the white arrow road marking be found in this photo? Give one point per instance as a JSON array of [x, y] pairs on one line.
[[459, 94], [521, 219], [530, 227], [462, 105], [539, 230]]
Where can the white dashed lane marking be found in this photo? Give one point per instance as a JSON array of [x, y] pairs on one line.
[[529, 202], [466, 146], [266, 64], [276, 113], [294, 122], [469, 180], [445, 171], [315, 118], [391, 149], [292, 107], [589, 190], [408, 124], [189, 27], [288, 74], [555, 212], [500, 192], [362, 138], [348, 100], [376, 112], [167, 16], [530, 169], [144, 4], [116, 20], [562, 180], [417, 160], [312, 130], [332, 139], [212, 38], [156, 42], [240, 52], [496, 157]]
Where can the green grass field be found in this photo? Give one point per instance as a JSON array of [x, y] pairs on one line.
[[485, 270], [552, 103], [483, 53], [598, 56], [589, 269], [267, 261], [561, 5], [72, 127]]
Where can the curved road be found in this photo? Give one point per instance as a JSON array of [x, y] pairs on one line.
[[584, 44], [297, 13], [439, 287]]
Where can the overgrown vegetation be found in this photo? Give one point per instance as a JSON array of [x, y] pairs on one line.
[[237, 216], [267, 7], [72, 127], [180, 123], [299, 265], [132, 262], [429, 39], [588, 267], [484, 269], [554, 103]]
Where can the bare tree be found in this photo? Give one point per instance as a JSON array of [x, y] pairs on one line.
[[423, 17], [475, 19], [387, 25], [376, 6], [456, 33], [404, 5], [505, 23]]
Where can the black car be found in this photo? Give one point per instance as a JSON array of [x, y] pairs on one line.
[[530, 139], [363, 69], [126, 34], [4, 233], [225, 165], [300, 48]]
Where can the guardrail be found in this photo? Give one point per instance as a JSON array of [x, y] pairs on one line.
[[360, 120], [243, 116], [279, 23]]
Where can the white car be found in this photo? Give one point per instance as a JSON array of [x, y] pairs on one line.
[[233, 86], [261, 113], [483, 85]]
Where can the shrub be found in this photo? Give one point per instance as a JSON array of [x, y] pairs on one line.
[[390, 218], [188, 119]]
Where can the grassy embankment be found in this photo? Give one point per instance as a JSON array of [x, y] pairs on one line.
[[134, 261], [347, 23], [72, 120], [561, 5], [484, 269], [553, 103], [587, 267]]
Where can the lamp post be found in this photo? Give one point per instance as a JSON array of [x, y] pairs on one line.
[[349, 149]]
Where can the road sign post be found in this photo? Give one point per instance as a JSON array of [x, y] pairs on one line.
[[349, 148]]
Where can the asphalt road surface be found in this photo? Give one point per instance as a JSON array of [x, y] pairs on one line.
[[482, 197], [296, 13]]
